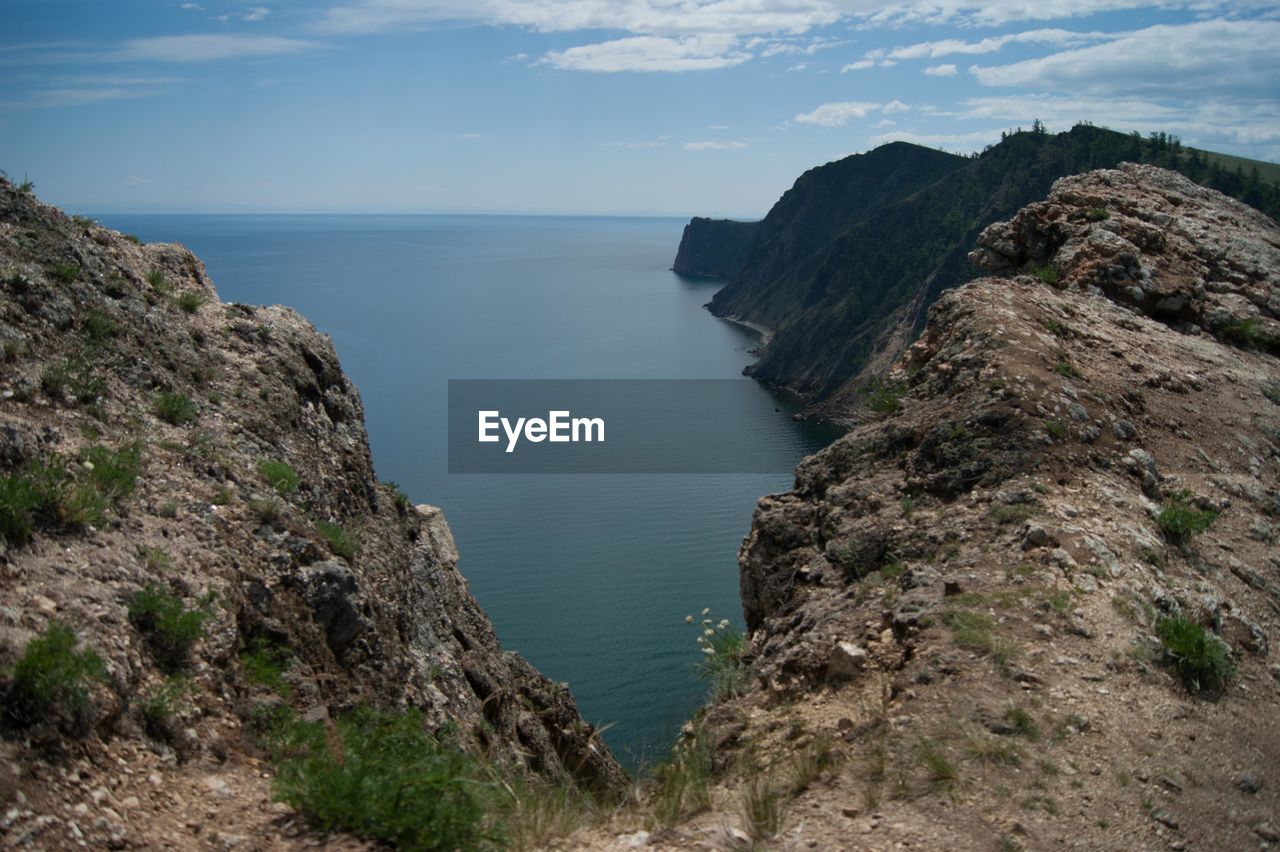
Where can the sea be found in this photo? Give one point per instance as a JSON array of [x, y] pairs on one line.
[[588, 576]]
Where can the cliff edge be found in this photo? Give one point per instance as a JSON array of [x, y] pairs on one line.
[[186, 487], [1033, 603]]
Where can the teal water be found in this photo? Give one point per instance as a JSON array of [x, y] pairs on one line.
[[589, 577]]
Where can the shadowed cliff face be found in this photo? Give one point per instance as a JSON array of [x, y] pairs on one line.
[[847, 263], [254, 483]]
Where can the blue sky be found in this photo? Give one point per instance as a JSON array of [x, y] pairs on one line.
[[646, 107]]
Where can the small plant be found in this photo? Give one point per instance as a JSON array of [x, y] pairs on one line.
[[279, 475], [159, 282], [1097, 214], [114, 473], [99, 327], [170, 627], [133, 238], [191, 301], [942, 771], [884, 397], [52, 679], [265, 664], [1199, 658], [160, 704], [1056, 327], [29, 496], [1180, 522], [268, 512], [1021, 723], [1067, 370], [810, 763], [1011, 513], [1057, 429], [722, 646], [976, 631], [683, 781], [1047, 273], [168, 509], [223, 495], [341, 543], [156, 559], [26, 187], [64, 273], [75, 375], [908, 504], [401, 500], [382, 777], [762, 808], [174, 408]]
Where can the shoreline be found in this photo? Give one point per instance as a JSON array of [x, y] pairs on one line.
[[766, 334]]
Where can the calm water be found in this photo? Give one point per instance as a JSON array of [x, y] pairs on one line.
[[589, 577]]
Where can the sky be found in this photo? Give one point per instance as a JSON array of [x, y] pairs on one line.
[[620, 107]]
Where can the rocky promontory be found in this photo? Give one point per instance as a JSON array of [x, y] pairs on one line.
[[189, 513]]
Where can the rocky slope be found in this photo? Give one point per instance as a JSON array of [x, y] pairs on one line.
[[962, 617], [846, 264], [254, 501]]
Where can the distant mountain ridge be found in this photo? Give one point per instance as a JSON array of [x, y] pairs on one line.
[[846, 263]]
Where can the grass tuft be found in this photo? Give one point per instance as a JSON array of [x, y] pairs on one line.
[[341, 543], [174, 408], [1180, 521], [171, 629], [279, 475], [51, 680], [1199, 658]]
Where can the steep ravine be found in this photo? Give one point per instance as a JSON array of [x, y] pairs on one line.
[[1035, 602], [254, 499]]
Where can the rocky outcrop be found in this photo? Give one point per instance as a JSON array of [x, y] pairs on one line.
[[712, 248], [254, 497], [963, 603], [847, 263]]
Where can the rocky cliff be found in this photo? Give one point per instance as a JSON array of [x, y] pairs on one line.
[[1035, 602], [165, 455], [846, 264]]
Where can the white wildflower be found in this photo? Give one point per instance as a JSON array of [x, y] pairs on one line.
[[708, 650], [688, 619], [706, 610], [724, 623], [708, 632]]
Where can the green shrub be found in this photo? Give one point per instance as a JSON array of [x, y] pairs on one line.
[[722, 646], [268, 512], [65, 273], [265, 664], [1067, 369], [190, 301], [99, 326], [884, 397], [1048, 273], [401, 500], [113, 473], [1011, 513], [1199, 658], [279, 475], [1021, 723], [52, 679], [341, 543], [682, 783], [174, 408], [977, 632], [1057, 429], [1056, 328], [380, 776], [160, 704], [29, 496], [1180, 521], [171, 629], [156, 559], [76, 375], [159, 282], [1097, 214]]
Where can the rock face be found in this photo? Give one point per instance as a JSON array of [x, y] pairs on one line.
[[972, 583], [107, 343], [847, 263]]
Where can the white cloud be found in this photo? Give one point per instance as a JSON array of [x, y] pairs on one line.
[[717, 127], [207, 48], [860, 65], [191, 7], [516, 57], [886, 122], [470, 136], [727, 17], [1231, 57], [836, 114], [799, 67], [656, 142], [257, 13], [941, 71], [714, 146], [951, 46], [895, 106], [651, 53]]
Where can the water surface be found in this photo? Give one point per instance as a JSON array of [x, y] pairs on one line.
[[590, 576]]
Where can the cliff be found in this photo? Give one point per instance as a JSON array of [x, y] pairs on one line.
[[846, 265], [713, 248], [186, 484], [1034, 602]]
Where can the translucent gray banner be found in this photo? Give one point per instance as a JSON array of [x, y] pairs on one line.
[[620, 426]]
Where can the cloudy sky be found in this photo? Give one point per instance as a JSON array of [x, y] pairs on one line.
[[603, 106]]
